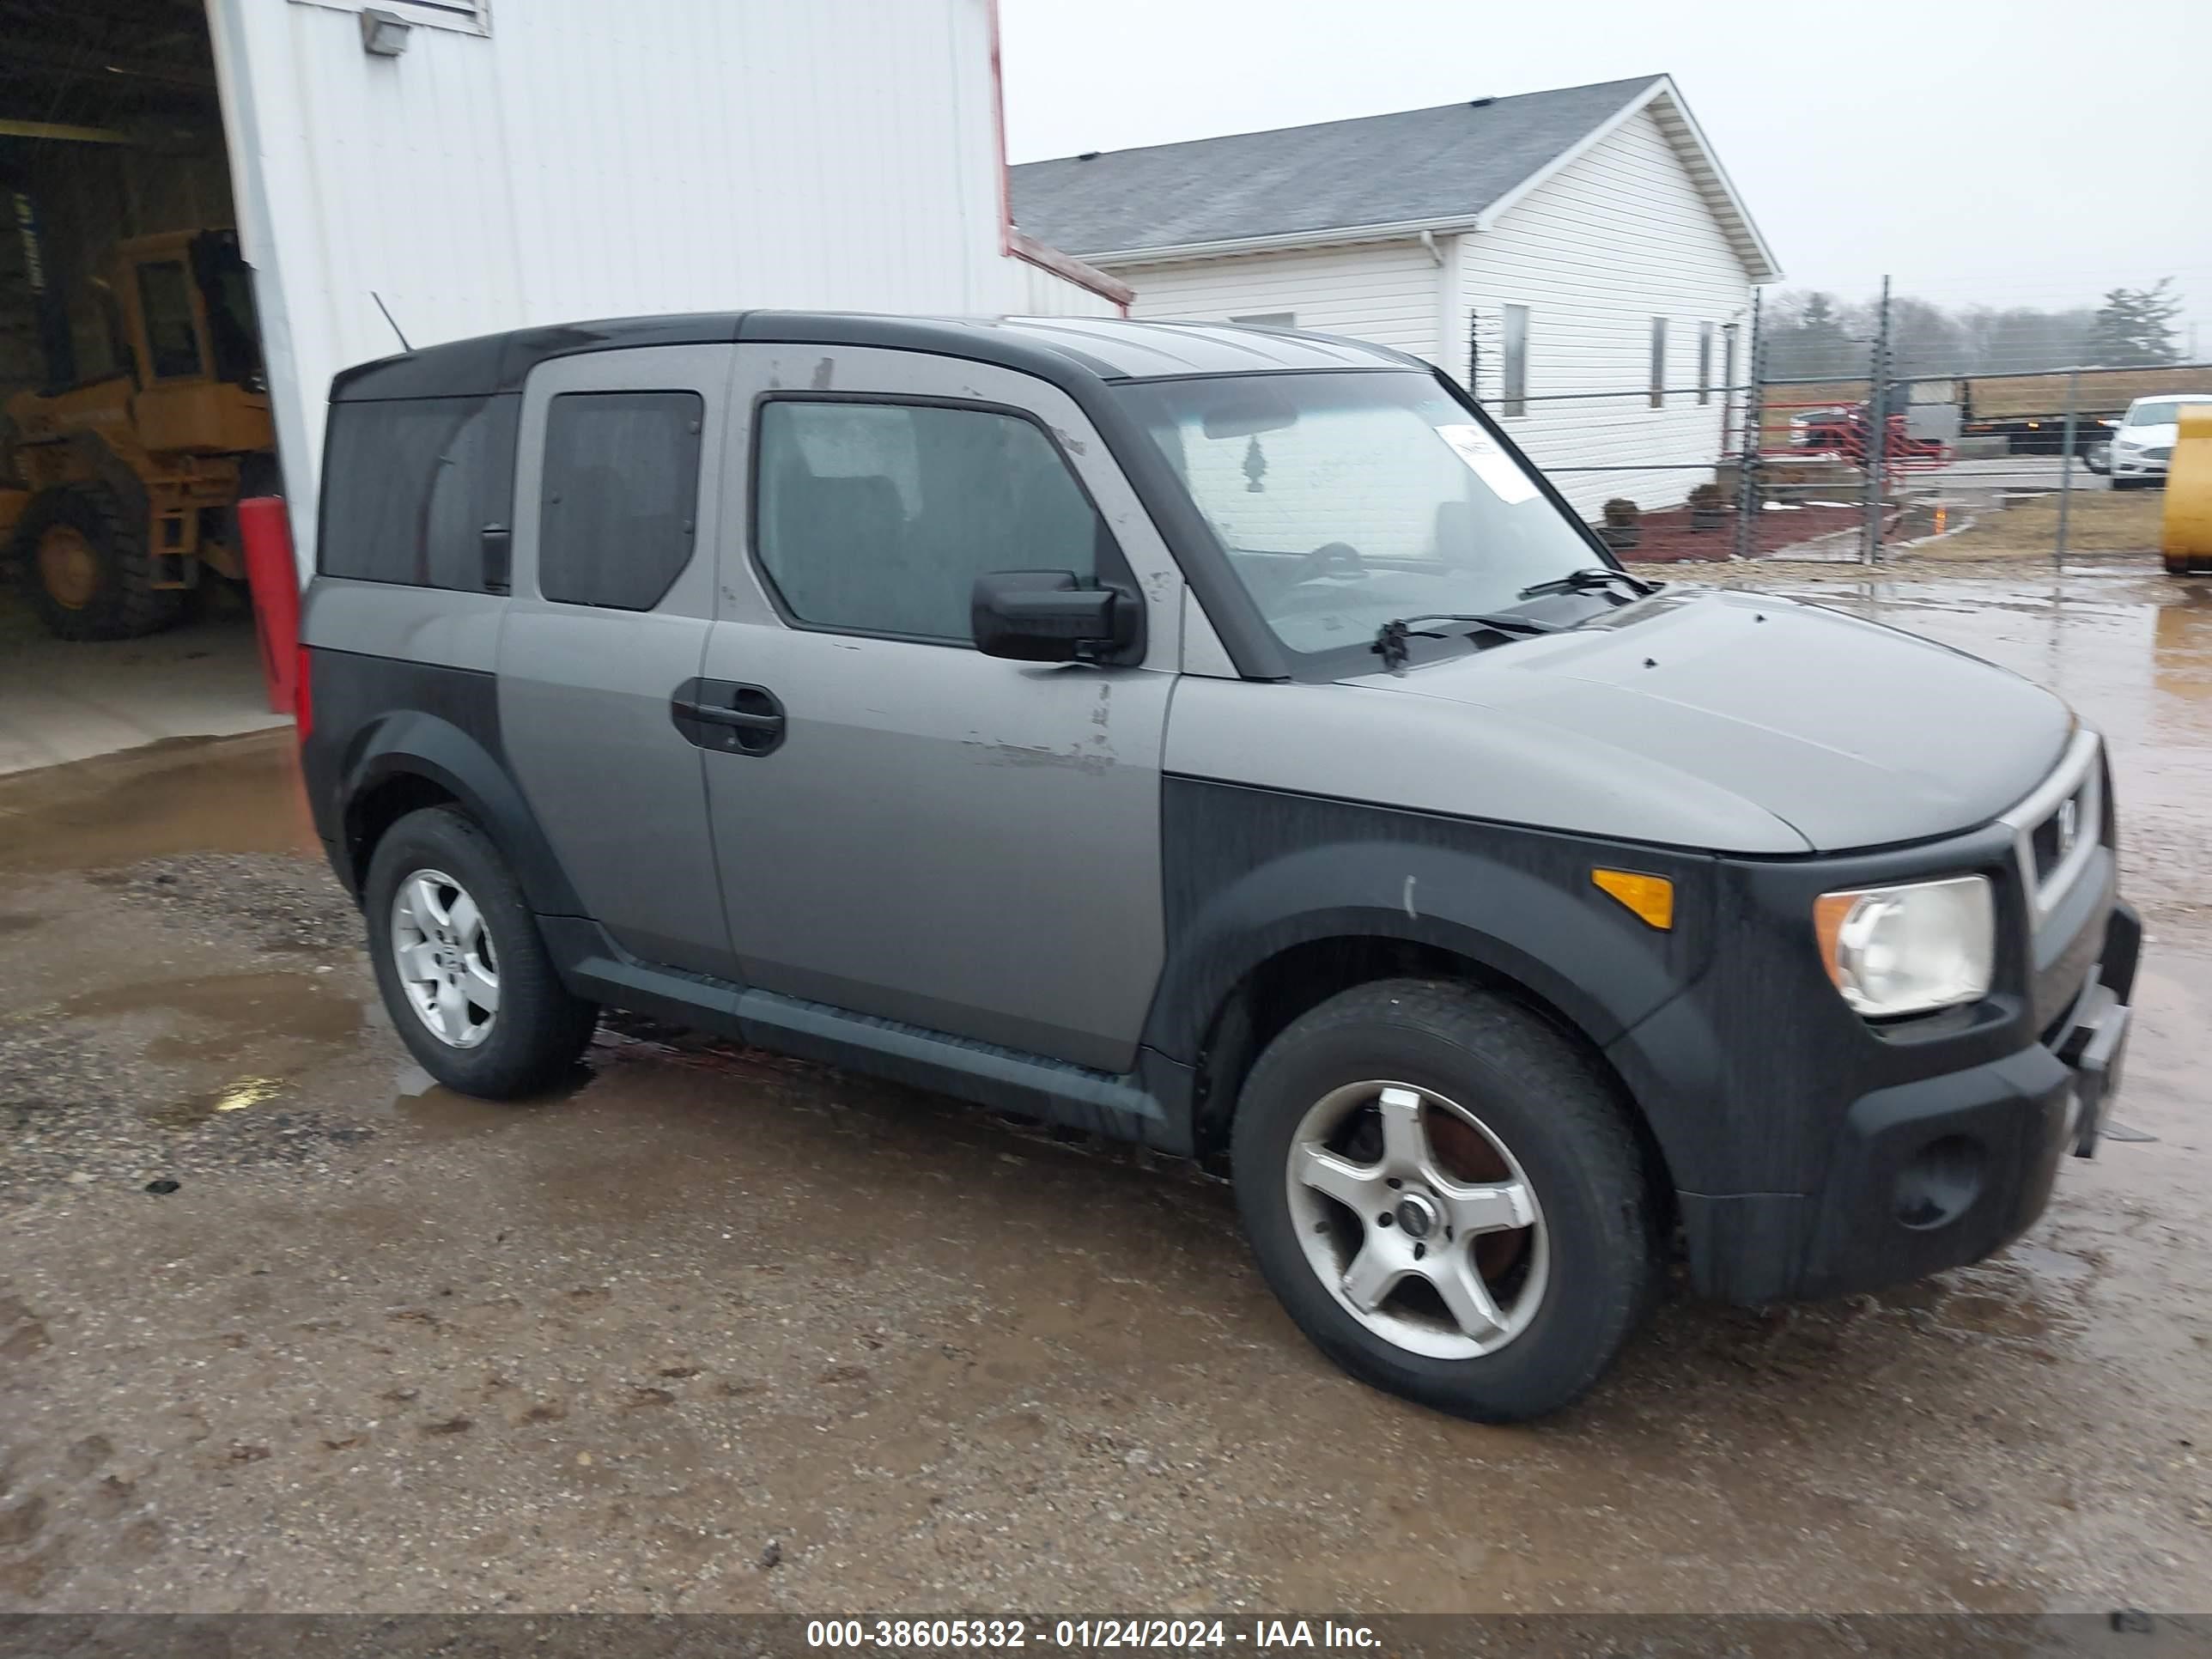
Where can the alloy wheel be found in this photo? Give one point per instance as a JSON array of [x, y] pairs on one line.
[[445, 958], [1418, 1219]]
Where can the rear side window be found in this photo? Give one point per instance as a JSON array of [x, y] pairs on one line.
[[621, 496], [878, 518], [409, 487]]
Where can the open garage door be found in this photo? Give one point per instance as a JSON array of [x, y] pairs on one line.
[[134, 412]]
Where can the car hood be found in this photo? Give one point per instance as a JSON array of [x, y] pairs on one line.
[[1746, 711], [2147, 437]]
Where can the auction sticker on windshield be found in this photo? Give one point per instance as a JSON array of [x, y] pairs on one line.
[[1489, 462]]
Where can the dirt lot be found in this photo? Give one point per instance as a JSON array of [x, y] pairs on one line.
[[2097, 522], [711, 1331]]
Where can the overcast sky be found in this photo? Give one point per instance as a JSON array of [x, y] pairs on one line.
[[2027, 153]]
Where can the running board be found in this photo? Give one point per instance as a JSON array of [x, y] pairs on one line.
[[1119, 1106]]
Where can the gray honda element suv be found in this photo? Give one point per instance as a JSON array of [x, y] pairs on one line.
[[1222, 739]]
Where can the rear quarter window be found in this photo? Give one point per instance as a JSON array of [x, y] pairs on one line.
[[409, 485], [621, 496]]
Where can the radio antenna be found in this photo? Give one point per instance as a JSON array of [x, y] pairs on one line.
[[388, 318]]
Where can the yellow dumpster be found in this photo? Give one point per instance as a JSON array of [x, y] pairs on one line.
[[2188, 541]]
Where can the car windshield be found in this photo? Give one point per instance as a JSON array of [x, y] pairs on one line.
[[1345, 501], [2163, 412]]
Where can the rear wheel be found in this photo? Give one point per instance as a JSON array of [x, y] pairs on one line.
[[1447, 1198], [465, 973], [87, 569]]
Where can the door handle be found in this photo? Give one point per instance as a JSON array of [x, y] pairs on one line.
[[731, 717], [725, 714]]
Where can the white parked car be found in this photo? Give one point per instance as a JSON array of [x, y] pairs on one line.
[[2142, 444]]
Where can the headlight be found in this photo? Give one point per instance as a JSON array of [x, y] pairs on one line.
[[1906, 949]]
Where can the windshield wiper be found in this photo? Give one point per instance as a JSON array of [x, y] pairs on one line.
[[1589, 579], [1392, 640]]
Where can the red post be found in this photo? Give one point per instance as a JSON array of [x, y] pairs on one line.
[[274, 576]]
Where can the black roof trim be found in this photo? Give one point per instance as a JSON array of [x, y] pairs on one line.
[[492, 363], [1052, 348]]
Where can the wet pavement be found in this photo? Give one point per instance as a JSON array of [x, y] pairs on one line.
[[711, 1330]]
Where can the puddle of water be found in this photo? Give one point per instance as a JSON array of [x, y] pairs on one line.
[[237, 1097], [279, 1023], [245, 1005], [438, 1113], [231, 794]]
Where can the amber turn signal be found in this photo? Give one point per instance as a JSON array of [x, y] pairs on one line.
[[1651, 897], [1830, 912]]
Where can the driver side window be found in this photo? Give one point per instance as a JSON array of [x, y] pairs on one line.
[[877, 518]]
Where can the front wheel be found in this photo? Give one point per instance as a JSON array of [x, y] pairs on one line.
[[465, 973], [1447, 1198]]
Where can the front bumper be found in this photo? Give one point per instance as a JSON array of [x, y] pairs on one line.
[[1933, 1173]]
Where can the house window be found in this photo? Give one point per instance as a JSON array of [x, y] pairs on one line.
[[1704, 363], [1658, 363], [1728, 378], [1270, 320], [1514, 352], [468, 16]]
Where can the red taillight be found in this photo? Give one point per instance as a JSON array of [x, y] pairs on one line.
[[303, 701]]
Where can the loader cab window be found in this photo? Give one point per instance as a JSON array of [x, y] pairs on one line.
[[173, 340], [227, 291]]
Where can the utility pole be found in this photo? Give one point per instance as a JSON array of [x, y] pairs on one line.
[[1877, 430], [2066, 462], [1754, 422]]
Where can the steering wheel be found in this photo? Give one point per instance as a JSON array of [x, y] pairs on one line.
[[1330, 558]]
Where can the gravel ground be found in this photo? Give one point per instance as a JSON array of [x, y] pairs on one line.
[[284, 903]]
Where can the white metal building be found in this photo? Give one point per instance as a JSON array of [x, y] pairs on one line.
[[1580, 240], [478, 168]]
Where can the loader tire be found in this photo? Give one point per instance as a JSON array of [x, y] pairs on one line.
[[87, 569]]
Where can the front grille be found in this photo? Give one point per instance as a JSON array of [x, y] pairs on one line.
[[2057, 833], [2162, 453], [2057, 828], [2052, 839]]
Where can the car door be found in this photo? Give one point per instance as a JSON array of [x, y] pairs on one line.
[[613, 597], [916, 830]]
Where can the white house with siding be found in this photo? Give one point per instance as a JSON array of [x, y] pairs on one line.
[[470, 168], [1582, 241]]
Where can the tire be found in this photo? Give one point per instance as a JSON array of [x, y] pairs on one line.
[[87, 569], [1589, 1264], [2098, 457], [535, 1030]]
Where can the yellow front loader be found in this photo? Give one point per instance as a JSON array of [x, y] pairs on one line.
[[118, 493]]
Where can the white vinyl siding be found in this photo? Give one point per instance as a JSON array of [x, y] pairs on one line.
[[1620, 236], [1385, 293], [1038, 292]]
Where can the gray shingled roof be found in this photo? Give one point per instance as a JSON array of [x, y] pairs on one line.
[[1422, 164]]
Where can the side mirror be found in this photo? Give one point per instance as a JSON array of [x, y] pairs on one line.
[[1041, 616]]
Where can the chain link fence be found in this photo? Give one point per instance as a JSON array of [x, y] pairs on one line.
[[1711, 457]]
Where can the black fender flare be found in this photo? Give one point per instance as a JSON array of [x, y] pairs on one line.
[[1525, 912], [412, 743]]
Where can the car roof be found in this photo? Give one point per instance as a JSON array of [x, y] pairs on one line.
[[1105, 349], [2173, 397]]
